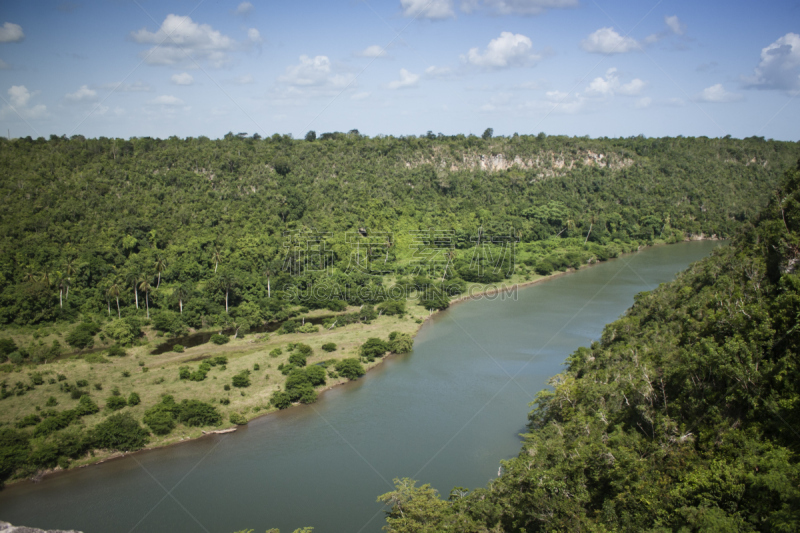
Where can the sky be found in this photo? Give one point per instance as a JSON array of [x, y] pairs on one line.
[[135, 68]]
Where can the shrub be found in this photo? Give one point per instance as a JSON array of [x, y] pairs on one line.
[[350, 368], [242, 379], [76, 394], [224, 401], [308, 328], [54, 423], [119, 432], [197, 413], [160, 418], [51, 402], [297, 359], [221, 360], [308, 395], [280, 399], [393, 307], [61, 377], [95, 358], [115, 403], [83, 335], [86, 406], [227, 387], [329, 347], [256, 367], [184, 373], [115, 391], [178, 348], [297, 379], [124, 330], [14, 449], [315, 375], [373, 348], [402, 343], [29, 420], [276, 352], [98, 386], [7, 347], [126, 373], [82, 383], [116, 351], [238, 419], [133, 399], [303, 349], [219, 338]]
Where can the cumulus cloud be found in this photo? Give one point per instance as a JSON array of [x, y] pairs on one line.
[[438, 72], [20, 96], [11, 33], [519, 7], [166, 100], [121, 87], [779, 67], [245, 8], [313, 76], [184, 78], [717, 94], [84, 94], [430, 9], [610, 84], [179, 37], [407, 79], [375, 50], [253, 35], [507, 50], [608, 41], [674, 24]]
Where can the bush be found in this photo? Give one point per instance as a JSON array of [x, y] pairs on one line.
[[134, 399], [86, 406], [256, 367], [115, 403], [168, 322], [308, 328], [297, 359], [227, 387], [82, 383], [401, 343], [280, 399], [196, 413], [117, 351], [126, 373], [303, 349], [160, 418], [7, 347], [238, 419], [217, 338], [242, 379], [373, 348], [119, 432], [329, 347], [54, 423], [315, 375], [83, 335], [276, 352], [221, 360], [29, 420], [184, 373], [308, 395], [178, 348], [51, 402], [350, 368], [14, 449], [95, 358], [393, 307]]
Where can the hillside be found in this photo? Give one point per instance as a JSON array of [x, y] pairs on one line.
[[684, 417]]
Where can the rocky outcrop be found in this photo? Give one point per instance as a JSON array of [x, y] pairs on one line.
[[5, 527]]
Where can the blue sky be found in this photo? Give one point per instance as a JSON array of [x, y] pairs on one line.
[[397, 67]]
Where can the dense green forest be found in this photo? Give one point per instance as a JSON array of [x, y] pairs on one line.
[[684, 417], [210, 233]]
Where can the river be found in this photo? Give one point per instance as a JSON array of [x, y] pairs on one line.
[[446, 414]]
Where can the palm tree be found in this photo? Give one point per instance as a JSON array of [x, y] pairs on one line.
[[227, 282], [60, 282], [268, 271], [388, 245], [217, 258], [69, 271], [145, 287], [450, 255], [114, 290], [161, 266], [44, 277], [133, 277], [181, 293], [29, 275]]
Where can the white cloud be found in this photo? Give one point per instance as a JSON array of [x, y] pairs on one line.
[[20, 96], [674, 24], [313, 76], [121, 87], [520, 7], [360, 96], [180, 36], [438, 72], [244, 9], [11, 33], [508, 49], [431, 9], [607, 41], [717, 94], [253, 35], [779, 67], [166, 100], [407, 79], [84, 94], [611, 85], [184, 78], [375, 50]]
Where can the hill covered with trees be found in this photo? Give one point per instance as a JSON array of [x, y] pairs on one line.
[[684, 417]]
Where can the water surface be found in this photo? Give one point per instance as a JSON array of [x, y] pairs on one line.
[[446, 414]]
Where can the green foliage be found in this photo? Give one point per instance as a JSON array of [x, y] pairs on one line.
[[160, 418], [401, 343], [329, 347], [124, 331], [116, 351], [29, 420], [178, 348], [238, 419], [373, 348], [351, 368], [86, 406], [275, 352], [281, 399], [297, 359], [119, 432], [392, 307], [315, 375], [14, 449], [7, 347], [134, 399], [197, 413], [83, 335], [242, 379], [115, 403], [220, 339]]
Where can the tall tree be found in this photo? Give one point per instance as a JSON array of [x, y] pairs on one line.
[[145, 287], [114, 290], [181, 293], [227, 282], [161, 265]]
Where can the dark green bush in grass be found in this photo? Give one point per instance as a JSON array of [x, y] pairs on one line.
[[115, 403], [14, 449], [86, 406], [281, 399], [119, 432], [329, 347], [220, 339], [160, 418], [117, 351], [297, 359], [134, 399], [242, 379], [197, 413], [373, 348], [83, 335], [315, 375], [29, 420], [350, 368]]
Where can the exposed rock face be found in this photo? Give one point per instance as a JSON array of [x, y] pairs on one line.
[[5, 527]]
